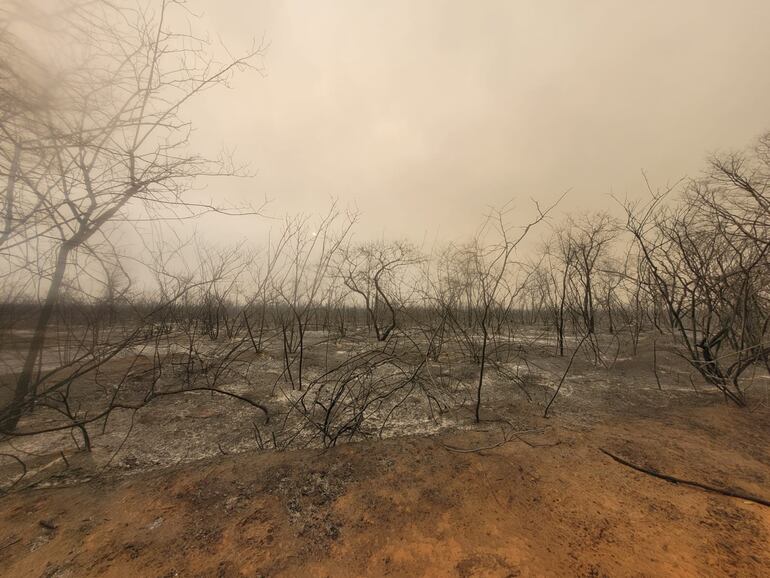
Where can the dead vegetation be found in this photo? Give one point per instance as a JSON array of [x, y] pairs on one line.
[[181, 388]]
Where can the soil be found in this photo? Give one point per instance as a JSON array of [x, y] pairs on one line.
[[546, 503]]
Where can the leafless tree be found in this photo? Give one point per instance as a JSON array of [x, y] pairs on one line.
[[557, 267], [370, 271], [589, 238], [491, 261], [303, 281], [84, 143], [707, 256]]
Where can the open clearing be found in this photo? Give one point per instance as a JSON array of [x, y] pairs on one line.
[[546, 503]]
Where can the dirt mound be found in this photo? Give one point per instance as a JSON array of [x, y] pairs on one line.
[[555, 506]]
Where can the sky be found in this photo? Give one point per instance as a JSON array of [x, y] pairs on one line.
[[424, 114]]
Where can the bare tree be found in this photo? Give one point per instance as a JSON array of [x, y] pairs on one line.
[[303, 282], [708, 262], [95, 138], [589, 238], [491, 262], [369, 271], [559, 257]]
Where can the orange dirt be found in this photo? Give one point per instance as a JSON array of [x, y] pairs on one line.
[[410, 507]]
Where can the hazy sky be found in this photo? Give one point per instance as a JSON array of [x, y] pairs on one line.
[[424, 113]]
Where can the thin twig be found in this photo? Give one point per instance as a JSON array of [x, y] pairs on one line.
[[564, 376]]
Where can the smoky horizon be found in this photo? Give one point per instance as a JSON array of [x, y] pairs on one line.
[[423, 118]]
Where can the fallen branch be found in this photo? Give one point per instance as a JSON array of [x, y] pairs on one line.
[[513, 435], [530, 444], [10, 542], [675, 480], [472, 450]]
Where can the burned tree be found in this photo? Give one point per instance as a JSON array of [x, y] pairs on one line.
[[707, 256], [95, 132], [370, 271], [491, 262]]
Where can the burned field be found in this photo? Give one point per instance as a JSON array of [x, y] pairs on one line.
[[148, 407], [376, 465]]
